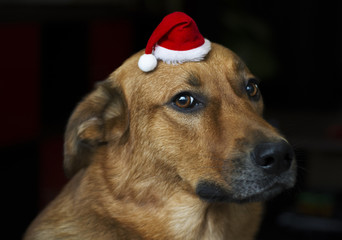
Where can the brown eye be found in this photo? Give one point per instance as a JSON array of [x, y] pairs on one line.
[[184, 101], [252, 88]]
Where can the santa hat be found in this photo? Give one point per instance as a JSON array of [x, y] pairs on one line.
[[175, 40]]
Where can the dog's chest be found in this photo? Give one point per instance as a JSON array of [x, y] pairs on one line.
[[198, 222], [215, 222]]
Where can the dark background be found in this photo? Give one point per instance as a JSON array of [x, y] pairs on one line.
[[51, 55]]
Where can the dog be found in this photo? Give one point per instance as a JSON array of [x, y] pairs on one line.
[[178, 153]]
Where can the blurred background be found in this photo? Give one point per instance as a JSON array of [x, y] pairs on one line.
[[53, 51]]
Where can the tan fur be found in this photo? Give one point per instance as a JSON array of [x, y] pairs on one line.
[[135, 161]]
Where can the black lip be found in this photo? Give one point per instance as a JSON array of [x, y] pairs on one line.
[[212, 192]]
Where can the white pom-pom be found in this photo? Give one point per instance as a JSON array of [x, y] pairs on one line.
[[147, 62]]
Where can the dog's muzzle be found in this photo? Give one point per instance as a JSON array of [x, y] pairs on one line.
[[263, 173]]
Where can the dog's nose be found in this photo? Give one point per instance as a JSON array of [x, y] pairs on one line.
[[273, 157]]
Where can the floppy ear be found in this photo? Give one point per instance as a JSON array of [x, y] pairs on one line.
[[101, 117]]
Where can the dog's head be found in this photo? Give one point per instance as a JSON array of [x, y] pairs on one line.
[[199, 124]]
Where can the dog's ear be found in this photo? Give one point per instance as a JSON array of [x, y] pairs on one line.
[[101, 117]]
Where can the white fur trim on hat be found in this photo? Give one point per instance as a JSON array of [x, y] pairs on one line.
[[175, 57]]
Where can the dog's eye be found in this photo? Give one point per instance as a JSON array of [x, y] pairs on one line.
[[252, 88], [185, 102]]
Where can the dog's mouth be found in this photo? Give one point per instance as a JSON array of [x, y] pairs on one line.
[[263, 195], [244, 191], [261, 188]]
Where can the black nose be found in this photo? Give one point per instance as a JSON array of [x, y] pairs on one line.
[[273, 157]]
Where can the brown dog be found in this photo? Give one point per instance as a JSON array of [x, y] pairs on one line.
[[178, 153]]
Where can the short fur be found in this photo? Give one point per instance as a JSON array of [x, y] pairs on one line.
[[136, 161]]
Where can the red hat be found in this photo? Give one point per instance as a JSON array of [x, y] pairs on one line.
[[175, 40]]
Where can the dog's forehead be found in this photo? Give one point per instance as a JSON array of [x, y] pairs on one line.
[[220, 68], [220, 64]]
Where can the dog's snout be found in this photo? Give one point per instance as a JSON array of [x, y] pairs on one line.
[[273, 157]]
